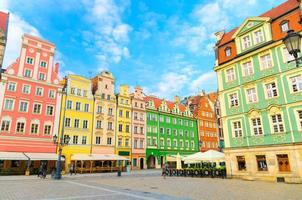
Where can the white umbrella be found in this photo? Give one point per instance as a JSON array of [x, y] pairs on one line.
[[211, 155], [193, 158], [178, 161]]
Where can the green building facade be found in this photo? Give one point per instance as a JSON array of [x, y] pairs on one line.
[[171, 129]]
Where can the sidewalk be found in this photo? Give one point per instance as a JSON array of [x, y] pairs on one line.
[[67, 176]]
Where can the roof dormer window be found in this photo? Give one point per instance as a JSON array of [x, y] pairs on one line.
[[246, 42], [227, 51], [284, 26]]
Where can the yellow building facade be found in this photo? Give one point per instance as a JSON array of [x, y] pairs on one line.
[[123, 123], [76, 120]]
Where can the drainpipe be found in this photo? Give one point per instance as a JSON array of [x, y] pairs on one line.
[[27, 172]]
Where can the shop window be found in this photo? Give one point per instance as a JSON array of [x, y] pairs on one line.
[[261, 163], [15, 163], [283, 163], [241, 163]]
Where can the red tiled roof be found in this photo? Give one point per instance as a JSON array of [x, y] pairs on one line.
[[170, 104], [4, 21], [213, 96], [273, 13]]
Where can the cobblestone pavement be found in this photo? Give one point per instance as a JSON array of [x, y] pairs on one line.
[[142, 185]]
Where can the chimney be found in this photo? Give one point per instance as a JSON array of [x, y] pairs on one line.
[[219, 35], [177, 99]]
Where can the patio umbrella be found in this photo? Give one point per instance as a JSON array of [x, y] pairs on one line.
[[178, 161], [193, 158], [211, 155]]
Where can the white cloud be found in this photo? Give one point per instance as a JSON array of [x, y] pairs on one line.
[[204, 80], [110, 35], [4, 5]]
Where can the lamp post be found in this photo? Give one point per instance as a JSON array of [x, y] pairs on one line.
[[60, 143], [293, 43]]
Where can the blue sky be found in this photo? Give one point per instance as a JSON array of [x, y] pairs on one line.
[[163, 46]]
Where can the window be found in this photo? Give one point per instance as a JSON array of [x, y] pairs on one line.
[[49, 110], [134, 162], [27, 73], [161, 142], [34, 128], [247, 69], [283, 163], [75, 139], [29, 60], [108, 97], [79, 92], [141, 143], [186, 144], [86, 108], [41, 76], [72, 91], [233, 100], [181, 133], [230, 75], [43, 64], [241, 163], [142, 130], [51, 94], [227, 51], [103, 96], [237, 130], [287, 56], [258, 36], [266, 61], [168, 131], [135, 115], [161, 130], [98, 124], [277, 123], [23, 106], [9, 104], [127, 128], [85, 124], [127, 142], [20, 127], [161, 118], [271, 90], [65, 138], [168, 142], [261, 162], [110, 111], [168, 120], [109, 141], [192, 144], [67, 122], [297, 83], [11, 87], [120, 127], [135, 129], [174, 132], [76, 123], [78, 106], [186, 133], [257, 128], [99, 109], [300, 118], [181, 144], [120, 113], [5, 125], [174, 143], [174, 121], [110, 125], [84, 139], [252, 95], [127, 114], [39, 91], [135, 144], [246, 42], [120, 142], [26, 89], [97, 140], [37, 108], [284, 26], [85, 93], [47, 129], [69, 104]]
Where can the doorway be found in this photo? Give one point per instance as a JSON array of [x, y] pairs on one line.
[[141, 163]]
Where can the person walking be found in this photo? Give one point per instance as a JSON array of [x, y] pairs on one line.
[[72, 169], [40, 172]]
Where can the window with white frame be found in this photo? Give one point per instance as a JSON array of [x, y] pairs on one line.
[[84, 139], [5, 125], [277, 123], [67, 122], [99, 109], [98, 124], [109, 140], [247, 68], [69, 104], [49, 110], [230, 74], [258, 36], [39, 91], [11, 87], [41, 76], [26, 89], [296, 83], [227, 51], [284, 26], [161, 142], [20, 127], [51, 94], [257, 127], [97, 140], [9, 104], [27, 73], [271, 90], [85, 124], [266, 61], [286, 55], [78, 106], [29, 60], [174, 143], [233, 100], [75, 139], [300, 118], [76, 123], [86, 107], [110, 126], [43, 64], [37, 108], [168, 142], [34, 128], [47, 129], [251, 95], [23, 106], [246, 42], [141, 143], [237, 129], [181, 144]]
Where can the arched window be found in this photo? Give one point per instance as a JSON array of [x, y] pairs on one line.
[[227, 51], [284, 26]]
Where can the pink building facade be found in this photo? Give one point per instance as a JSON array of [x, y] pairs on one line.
[[30, 99], [138, 129]]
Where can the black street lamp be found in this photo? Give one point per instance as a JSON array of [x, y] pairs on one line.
[[60, 143], [293, 43]]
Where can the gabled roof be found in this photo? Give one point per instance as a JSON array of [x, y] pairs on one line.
[[4, 22], [273, 14], [170, 104]]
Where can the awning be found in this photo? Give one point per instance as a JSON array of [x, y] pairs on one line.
[[12, 156], [97, 157], [43, 156]]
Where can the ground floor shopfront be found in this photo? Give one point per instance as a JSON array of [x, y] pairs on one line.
[[139, 161], [125, 152], [272, 163], [156, 157]]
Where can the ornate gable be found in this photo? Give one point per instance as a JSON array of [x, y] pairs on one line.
[[164, 107], [176, 110]]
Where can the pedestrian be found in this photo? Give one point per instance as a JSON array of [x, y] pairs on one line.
[[44, 171], [72, 169], [40, 172], [164, 170]]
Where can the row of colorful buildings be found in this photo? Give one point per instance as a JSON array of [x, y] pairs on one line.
[[98, 123], [260, 93]]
